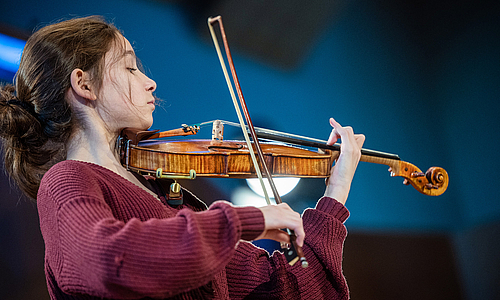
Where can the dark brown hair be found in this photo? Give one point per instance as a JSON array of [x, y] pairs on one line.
[[35, 119]]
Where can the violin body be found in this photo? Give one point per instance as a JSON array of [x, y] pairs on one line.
[[226, 159]]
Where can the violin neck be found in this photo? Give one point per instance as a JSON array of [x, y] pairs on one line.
[[367, 155], [391, 162]]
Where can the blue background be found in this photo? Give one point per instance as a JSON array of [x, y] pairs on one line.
[[366, 71]]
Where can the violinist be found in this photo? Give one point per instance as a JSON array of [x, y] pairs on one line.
[[108, 232]]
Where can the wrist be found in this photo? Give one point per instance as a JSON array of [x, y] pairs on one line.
[[252, 222], [338, 192]]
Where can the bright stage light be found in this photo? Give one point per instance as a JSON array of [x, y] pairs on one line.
[[283, 185], [243, 196]]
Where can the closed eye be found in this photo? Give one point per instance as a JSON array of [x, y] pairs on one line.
[[132, 70]]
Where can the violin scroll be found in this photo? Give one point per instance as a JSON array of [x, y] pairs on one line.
[[434, 182]]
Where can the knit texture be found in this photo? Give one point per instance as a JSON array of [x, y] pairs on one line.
[[107, 238]]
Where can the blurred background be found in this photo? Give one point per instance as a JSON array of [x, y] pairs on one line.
[[419, 78]]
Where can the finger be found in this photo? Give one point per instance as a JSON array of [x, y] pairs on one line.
[[300, 234], [347, 135], [339, 129], [360, 140], [334, 123], [282, 216], [334, 135], [293, 221], [332, 139]]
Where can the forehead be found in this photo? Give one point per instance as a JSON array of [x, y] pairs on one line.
[[120, 49]]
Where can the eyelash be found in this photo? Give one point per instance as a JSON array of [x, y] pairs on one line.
[[132, 70]]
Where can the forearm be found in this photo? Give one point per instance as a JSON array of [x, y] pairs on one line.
[[108, 258]]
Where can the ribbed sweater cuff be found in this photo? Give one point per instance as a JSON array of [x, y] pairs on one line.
[[333, 207], [252, 222]]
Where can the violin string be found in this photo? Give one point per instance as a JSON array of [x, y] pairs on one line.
[[263, 130], [277, 133], [274, 135]]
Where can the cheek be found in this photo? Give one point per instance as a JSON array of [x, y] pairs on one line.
[[117, 91]]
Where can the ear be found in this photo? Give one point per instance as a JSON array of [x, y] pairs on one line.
[[81, 85]]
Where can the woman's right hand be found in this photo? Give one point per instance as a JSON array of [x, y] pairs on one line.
[[281, 216]]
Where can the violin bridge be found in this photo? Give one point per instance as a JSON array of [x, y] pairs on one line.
[[217, 131]]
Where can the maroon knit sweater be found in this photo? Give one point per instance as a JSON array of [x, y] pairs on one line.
[[105, 237]]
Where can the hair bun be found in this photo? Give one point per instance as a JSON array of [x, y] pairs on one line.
[[26, 105], [7, 92], [17, 118]]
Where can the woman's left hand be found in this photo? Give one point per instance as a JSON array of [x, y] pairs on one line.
[[339, 183]]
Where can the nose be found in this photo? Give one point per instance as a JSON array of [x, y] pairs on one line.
[[150, 84]]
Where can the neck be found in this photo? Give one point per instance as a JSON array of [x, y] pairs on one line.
[[97, 146], [94, 144]]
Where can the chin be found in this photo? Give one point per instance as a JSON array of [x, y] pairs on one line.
[[147, 124], [143, 123]]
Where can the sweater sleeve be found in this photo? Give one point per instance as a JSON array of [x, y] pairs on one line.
[[91, 252], [253, 274]]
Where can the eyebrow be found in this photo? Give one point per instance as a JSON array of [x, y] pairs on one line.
[[129, 52]]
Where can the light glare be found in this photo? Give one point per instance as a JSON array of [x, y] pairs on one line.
[[284, 185], [242, 196]]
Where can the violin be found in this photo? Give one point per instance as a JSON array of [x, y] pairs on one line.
[[286, 156]]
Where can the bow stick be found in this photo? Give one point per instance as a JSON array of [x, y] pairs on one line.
[[294, 252]]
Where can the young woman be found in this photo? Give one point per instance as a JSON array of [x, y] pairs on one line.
[[108, 233]]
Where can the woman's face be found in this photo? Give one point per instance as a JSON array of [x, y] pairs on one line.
[[126, 94]]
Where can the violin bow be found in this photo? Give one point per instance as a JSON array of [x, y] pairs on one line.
[[294, 252]]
